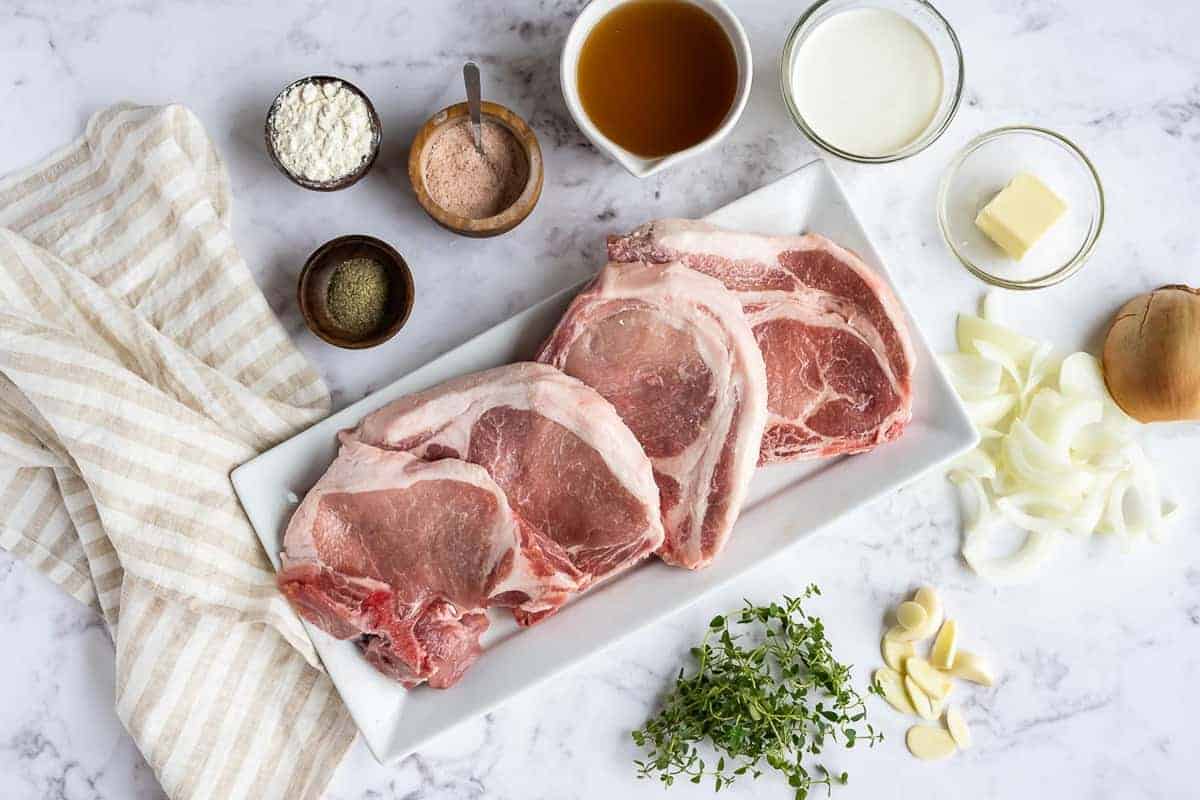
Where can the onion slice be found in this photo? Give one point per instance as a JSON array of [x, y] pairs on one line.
[[1057, 455]]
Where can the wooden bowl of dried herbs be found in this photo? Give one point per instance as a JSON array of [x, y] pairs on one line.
[[355, 291]]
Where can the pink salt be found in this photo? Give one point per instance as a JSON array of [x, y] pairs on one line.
[[463, 181]]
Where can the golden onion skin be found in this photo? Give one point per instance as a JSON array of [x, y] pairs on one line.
[[1151, 355]]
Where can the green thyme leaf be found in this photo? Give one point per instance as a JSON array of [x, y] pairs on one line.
[[765, 693]]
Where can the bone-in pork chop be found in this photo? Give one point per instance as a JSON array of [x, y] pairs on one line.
[[404, 555], [832, 334], [570, 467], [671, 349]]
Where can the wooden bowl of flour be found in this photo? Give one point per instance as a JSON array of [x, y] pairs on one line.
[[341, 182], [430, 143]]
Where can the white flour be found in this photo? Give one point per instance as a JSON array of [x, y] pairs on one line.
[[321, 132]]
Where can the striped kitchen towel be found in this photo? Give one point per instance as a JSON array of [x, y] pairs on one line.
[[139, 364]]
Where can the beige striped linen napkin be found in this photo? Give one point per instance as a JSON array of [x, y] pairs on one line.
[[139, 363]]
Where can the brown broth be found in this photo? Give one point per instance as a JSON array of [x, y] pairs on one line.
[[657, 76]]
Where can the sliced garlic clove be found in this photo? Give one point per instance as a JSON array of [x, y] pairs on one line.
[[945, 646], [927, 598], [898, 633], [957, 726], [928, 743], [932, 682], [919, 700], [971, 667], [895, 652], [911, 615], [893, 690]]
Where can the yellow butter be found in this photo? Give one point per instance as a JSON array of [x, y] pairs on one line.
[[1020, 214]]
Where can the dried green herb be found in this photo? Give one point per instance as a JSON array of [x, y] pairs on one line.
[[358, 295], [768, 694]]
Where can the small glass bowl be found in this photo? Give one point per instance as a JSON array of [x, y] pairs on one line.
[[929, 21], [983, 168]]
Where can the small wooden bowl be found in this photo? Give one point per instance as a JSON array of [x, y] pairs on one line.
[[340, 183], [313, 289], [507, 219]]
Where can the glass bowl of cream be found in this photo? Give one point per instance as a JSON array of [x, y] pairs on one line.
[[872, 82]]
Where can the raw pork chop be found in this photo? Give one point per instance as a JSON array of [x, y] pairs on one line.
[[405, 554], [839, 361], [671, 349], [571, 469]]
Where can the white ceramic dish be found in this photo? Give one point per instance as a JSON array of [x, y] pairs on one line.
[[639, 166], [786, 502]]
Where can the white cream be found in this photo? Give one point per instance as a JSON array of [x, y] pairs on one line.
[[867, 81]]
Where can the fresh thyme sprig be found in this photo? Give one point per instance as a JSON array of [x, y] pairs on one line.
[[769, 695]]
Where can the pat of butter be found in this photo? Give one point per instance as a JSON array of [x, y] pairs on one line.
[[1021, 214]]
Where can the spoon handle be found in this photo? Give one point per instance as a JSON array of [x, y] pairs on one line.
[[471, 78]]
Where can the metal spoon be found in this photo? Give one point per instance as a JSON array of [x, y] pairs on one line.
[[471, 78]]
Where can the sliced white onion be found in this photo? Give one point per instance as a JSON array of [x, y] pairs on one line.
[[992, 307], [990, 412], [1034, 464], [972, 329], [1002, 358], [1091, 509], [977, 509], [1057, 419], [1016, 568], [977, 462], [973, 377], [1051, 516], [1041, 367], [1148, 499], [1056, 453], [1080, 376]]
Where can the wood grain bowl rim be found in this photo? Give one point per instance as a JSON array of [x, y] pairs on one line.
[[510, 217], [398, 269]]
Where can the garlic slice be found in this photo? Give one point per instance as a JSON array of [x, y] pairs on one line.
[[928, 600], [971, 667], [931, 681], [921, 702], [893, 690], [911, 615], [928, 743], [895, 652], [927, 597], [945, 646], [957, 726]]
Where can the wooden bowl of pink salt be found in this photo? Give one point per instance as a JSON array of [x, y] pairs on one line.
[[472, 193]]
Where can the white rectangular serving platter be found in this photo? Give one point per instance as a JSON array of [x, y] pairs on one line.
[[786, 502]]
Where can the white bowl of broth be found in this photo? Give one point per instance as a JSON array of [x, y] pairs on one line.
[[654, 82]]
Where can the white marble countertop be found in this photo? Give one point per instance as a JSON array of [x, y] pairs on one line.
[[1100, 657]]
